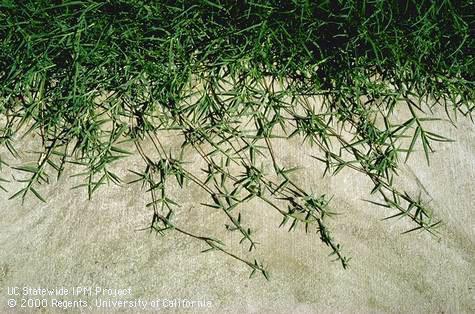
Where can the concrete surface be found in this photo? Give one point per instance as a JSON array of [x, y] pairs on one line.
[[72, 242]]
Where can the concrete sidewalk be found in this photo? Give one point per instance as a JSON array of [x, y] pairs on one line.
[[70, 242]]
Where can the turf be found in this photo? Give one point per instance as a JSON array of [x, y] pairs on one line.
[[230, 77]]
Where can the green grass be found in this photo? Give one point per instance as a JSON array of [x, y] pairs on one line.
[[230, 77]]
